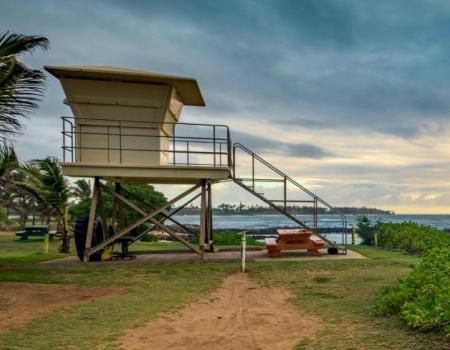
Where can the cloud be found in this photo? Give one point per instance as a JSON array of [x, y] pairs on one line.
[[279, 147], [357, 91]]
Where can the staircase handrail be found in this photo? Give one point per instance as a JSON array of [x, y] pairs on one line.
[[279, 172]]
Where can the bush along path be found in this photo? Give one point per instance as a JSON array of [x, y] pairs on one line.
[[411, 237], [422, 299]]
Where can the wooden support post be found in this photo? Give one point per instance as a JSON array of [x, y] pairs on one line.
[[206, 214], [101, 213], [210, 219], [203, 219], [92, 211]]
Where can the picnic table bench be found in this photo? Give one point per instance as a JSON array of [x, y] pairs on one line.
[[294, 239], [36, 230]]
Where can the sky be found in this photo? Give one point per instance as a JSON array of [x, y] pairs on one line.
[[350, 98]]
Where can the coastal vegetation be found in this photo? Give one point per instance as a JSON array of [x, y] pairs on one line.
[[421, 299], [411, 237]]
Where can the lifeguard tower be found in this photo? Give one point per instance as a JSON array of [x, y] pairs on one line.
[[126, 128]]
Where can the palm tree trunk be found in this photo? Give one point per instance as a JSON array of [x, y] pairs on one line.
[[65, 239]]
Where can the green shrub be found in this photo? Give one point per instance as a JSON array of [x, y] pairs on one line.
[[149, 238], [411, 237], [230, 238], [422, 299], [366, 229]]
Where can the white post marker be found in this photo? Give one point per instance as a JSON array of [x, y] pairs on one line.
[[243, 246]]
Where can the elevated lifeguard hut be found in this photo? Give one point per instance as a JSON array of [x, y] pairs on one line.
[[126, 128]]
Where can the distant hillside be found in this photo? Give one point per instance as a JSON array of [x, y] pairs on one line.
[[242, 209]]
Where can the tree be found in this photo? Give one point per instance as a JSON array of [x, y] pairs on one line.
[[139, 192], [8, 163], [44, 179], [81, 189], [21, 88]]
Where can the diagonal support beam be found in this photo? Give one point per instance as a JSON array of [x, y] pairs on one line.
[[169, 215], [164, 213], [146, 217], [154, 221]]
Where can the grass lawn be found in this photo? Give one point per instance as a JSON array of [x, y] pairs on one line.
[[14, 250], [339, 292]]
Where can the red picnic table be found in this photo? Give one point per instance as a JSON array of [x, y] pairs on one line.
[[294, 239]]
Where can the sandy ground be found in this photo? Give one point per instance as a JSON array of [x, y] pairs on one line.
[[21, 302], [157, 257], [239, 315]]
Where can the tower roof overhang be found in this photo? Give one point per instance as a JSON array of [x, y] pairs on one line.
[[187, 88]]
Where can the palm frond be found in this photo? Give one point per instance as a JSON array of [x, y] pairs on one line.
[[44, 180], [81, 189], [21, 89], [14, 44], [8, 161]]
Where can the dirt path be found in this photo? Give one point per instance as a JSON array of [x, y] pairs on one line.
[[240, 314], [21, 302]]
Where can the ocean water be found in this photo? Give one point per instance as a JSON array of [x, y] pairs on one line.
[[247, 222]]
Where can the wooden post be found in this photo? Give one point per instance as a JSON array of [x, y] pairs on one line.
[[243, 248], [203, 219], [101, 213], [210, 219], [92, 211], [206, 215]]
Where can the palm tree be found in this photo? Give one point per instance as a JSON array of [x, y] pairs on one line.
[[8, 163], [21, 88], [81, 189], [44, 179]]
